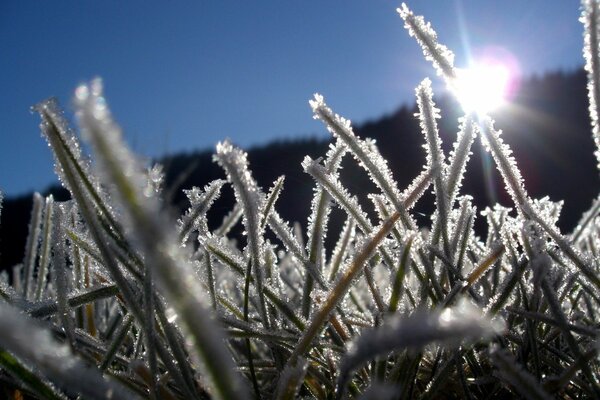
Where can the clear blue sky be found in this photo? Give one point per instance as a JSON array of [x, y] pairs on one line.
[[182, 75]]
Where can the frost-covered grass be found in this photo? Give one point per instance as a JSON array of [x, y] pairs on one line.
[[116, 299]]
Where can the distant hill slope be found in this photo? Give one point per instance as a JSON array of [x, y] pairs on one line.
[[547, 127]]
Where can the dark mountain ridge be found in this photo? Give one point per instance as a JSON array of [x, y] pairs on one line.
[[547, 126]]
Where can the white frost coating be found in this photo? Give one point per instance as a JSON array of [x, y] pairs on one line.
[[98, 127], [155, 177], [341, 251], [54, 122], [291, 379], [462, 223], [44, 257], [320, 205], [366, 154], [53, 359], [585, 223], [547, 209], [235, 163], [60, 269], [459, 157], [286, 234], [152, 233], [230, 220], [497, 217], [272, 197], [590, 17], [32, 243], [417, 188], [441, 57], [463, 322], [428, 114], [339, 193], [200, 202], [505, 162]]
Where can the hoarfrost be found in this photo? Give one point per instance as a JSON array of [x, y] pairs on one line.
[[441, 57]]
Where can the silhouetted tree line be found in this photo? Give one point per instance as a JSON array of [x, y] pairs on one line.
[[547, 125]]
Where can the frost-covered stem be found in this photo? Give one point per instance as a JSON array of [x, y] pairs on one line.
[[291, 380], [428, 114], [317, 223], [347, 202], [272, 197], [291, 243], [375, 292], [210, 277], [60, 273], [75, 256], [417, 187], [487, 262], [459, 157], [441, 57], [461, 226], [247, 341], [315, 250], [561, 318], [45, 251], [284, 233], [90, 217], [58, 135], [200, 203], [235, 164], [37, 384], [229, 220], [400, 274], [183, 370], [116, 342], [45, 309], [566, 248], [150, 336], [321, 316], [463, 322], [505, 162], [590, 17], [340, 248], [53, 359], [31, 245], [161, 252], [586, 221], [369, 158], [237, 267]]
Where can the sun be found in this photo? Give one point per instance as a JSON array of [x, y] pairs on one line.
[[482, 87]]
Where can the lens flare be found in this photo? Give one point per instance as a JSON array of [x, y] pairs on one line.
[[482, 87]]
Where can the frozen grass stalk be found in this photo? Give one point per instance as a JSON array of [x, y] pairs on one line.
[[140, 305]]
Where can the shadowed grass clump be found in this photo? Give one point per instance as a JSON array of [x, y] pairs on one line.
[[116, 298]]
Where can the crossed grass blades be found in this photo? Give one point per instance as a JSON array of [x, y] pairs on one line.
[[116, 300]]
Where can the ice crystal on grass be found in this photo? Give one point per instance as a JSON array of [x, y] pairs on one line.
[[200, 203], [54, 127], [441, 57], [154, 180], [339, 193], [365, 152], [590, 17], [453, 325], [459, 157], [136, 304], [505, 162], [32, 243]]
